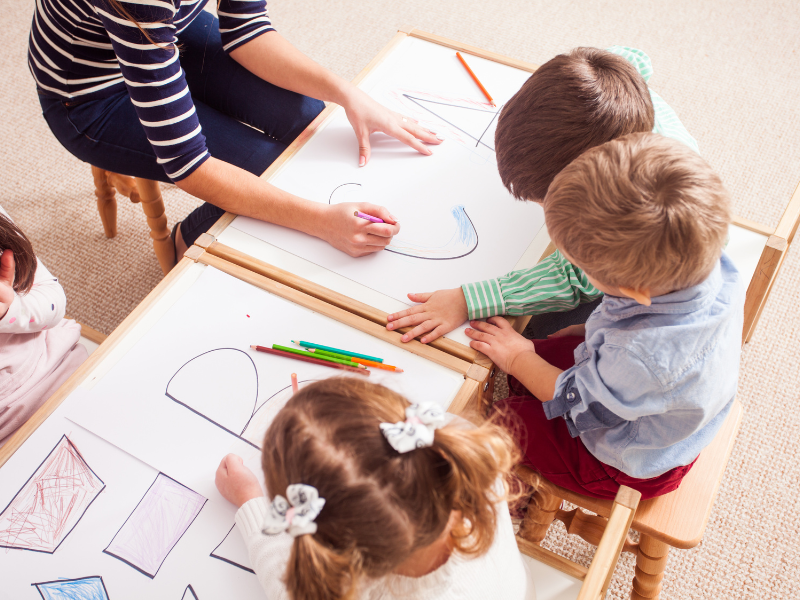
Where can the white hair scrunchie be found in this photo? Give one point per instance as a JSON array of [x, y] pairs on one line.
[[295, 515], [417, 430]]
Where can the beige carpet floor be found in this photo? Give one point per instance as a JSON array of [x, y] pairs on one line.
[[729, 68]]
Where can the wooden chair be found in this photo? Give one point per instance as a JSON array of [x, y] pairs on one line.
[[143, 191], [556, 578], [675, 520]]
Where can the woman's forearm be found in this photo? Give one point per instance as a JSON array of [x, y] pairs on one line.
[[275, 60], [237, 191]]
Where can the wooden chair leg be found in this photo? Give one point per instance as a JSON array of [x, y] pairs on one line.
[[651, 560], [539, 516], [153, 206], [106, 201]]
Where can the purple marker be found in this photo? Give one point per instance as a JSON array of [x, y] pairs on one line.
[[370, 218]]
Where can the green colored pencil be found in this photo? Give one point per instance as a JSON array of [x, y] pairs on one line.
[[348, 363], [338, 351]]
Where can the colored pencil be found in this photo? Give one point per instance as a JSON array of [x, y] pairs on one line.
[[347, 362], [475, 78], [367, 217], [315, 361], [361, 361], [295, 387], [337, 350]]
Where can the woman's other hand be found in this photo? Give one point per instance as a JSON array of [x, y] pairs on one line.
[[367, 117]]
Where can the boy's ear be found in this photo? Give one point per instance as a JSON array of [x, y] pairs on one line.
[[641, 296]]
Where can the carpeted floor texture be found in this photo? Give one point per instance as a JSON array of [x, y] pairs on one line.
[[730, 70]]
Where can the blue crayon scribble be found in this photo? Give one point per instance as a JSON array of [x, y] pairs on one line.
[[86, 588]]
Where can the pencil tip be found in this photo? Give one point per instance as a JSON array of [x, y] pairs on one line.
[[253, 346], [398, 370]]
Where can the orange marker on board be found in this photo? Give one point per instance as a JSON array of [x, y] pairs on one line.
[[475, 77]]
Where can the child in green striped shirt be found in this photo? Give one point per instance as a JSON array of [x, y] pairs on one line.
[[573, 102]]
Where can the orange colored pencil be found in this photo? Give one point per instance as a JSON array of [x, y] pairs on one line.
[[475, 77], [377, 365]]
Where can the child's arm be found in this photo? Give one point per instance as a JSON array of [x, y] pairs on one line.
[[269, 554], [515, 355], [554, 285], [42, 307]]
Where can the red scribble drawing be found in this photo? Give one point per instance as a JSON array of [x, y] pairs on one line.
[[51, 503], [156, 525]]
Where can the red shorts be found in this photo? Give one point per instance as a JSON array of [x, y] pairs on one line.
[[560, 458]]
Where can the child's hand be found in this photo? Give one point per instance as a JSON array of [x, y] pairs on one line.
[[571, 330], [498, 340], [6, 281], [441, 312], [235, 482]]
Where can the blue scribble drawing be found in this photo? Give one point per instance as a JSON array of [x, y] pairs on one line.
[[156, 525], [462, 242], [85, 588]]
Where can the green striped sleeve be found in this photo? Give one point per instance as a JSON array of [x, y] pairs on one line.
[[667, 122], [484, 299], [554, 285]]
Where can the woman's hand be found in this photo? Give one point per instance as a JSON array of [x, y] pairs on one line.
[[235, 482], [7, 272], [367, 116], [354, 235]]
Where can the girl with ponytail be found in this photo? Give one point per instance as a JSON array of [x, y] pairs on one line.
[[373, 497]]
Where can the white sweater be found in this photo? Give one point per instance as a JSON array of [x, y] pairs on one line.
[[499, 573]]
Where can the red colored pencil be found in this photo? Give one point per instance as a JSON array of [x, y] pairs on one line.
[[475, 77], [324, 363]]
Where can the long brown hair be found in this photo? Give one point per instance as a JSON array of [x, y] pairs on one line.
[[381, 506], [12, 238], [123, 12]]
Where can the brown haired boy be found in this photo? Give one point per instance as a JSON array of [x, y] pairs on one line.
[[571, 103], [633, 396]]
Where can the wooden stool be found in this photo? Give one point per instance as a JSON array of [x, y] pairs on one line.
[[675, 520], [145, 191]]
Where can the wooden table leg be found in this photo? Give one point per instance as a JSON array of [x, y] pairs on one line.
[[106, 201], [539, 516], [153, 206], [651, 560]]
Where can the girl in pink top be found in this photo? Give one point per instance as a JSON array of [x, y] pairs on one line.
[[39, 348]]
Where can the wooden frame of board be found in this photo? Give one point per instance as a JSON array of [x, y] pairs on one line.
[[475, 376]]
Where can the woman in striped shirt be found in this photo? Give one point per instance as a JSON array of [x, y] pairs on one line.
[[161, 89]]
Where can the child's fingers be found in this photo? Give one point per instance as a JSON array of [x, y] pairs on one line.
[[482, 326], [418, 330], [480, 347], [499, 322], [478, 335], [435, 334], [408, 321], [405, 313], [420, 297], [7, 268]]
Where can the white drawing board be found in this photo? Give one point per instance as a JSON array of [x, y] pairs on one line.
[[458, 222], [191, 391], [80, 563]]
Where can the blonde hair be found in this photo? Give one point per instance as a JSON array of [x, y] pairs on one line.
[[381, 506], [642, 211]]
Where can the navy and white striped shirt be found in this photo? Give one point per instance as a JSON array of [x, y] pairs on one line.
[[80, 49]]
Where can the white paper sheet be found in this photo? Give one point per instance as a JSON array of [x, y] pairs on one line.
[[191, 390], [80, 555], [458, 222]]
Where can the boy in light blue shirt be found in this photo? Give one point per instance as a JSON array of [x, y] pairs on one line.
[[653, 372]]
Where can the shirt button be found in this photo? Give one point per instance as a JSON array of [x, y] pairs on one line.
[[570, 396]]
